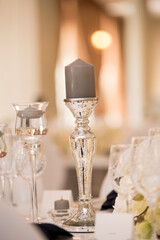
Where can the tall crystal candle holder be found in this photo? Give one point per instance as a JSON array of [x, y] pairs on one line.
[[82, 144], [31, 126]]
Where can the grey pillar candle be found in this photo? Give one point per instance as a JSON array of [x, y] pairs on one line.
[[80, 80], [29, 113], [61, 204]]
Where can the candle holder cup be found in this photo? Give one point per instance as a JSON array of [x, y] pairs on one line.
[[82, 144]]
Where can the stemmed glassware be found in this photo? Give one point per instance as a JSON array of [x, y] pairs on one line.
[[154, 132], [146, 173], [7, 167], [22, 161], [119, 170], [31, 126], [138, 139], [3, 146], [21, 164], [3, 153]]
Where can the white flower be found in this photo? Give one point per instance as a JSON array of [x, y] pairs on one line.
[[126, 185], [120, 204]]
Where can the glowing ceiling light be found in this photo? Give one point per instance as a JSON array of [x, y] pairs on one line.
[[101, 39]]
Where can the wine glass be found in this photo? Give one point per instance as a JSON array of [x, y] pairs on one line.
[[119, 170], [8, 164], [3, 146], [31, 125], [3, 153], [146, 172], [154, 131], [23, 167], [137, 139], [22, 160]]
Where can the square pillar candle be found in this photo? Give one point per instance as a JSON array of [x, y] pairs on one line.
[[80, 80]]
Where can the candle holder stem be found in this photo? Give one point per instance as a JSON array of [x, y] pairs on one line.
[[33, 148], [34, 189], [82, 144]]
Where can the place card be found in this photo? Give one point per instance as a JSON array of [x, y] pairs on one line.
[[113, 226], [49, 197]]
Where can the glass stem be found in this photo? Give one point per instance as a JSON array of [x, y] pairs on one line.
[[3, 187], [11, 191], [34, 187], [153, 211], [31, 202], [129, 204]]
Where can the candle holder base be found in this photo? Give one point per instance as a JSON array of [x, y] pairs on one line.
[[84, 217], [84, 229]]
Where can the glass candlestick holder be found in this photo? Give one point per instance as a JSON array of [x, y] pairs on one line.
[[31, 126], [82, 144]]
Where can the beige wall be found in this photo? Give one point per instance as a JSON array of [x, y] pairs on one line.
[[28, 39], [141, 47], [19, 54], [153, 60], [49, 41]]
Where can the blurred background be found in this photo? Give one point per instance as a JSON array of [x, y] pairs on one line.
[[121, 38]]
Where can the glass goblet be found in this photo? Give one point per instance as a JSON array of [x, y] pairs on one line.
[[31, 125], [138, 139], [154, 132], [24, 167], [7, 168], [3, 146], [3, 153], [146, 173]]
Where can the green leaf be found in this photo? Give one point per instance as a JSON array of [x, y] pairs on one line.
[[144, 230], [138, 197]]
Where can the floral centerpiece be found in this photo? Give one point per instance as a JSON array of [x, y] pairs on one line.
[[146, 219], [142, 215]]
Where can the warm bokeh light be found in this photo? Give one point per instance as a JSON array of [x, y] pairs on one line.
[[101, 39]]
